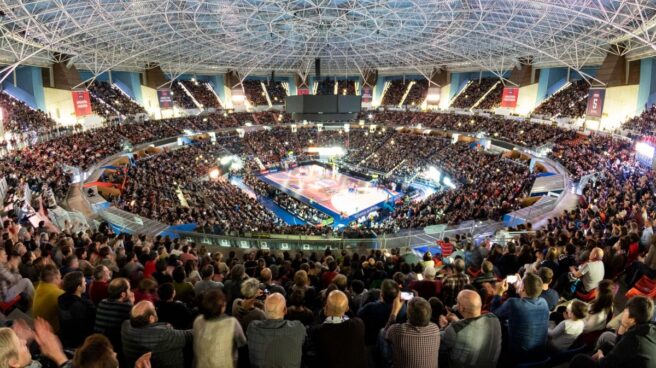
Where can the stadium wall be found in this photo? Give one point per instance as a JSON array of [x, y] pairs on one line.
[[29, 79], [647, 92], [527, 99], [619, 105], [150, 101], [551, 79], [129, 83], [59, 104]]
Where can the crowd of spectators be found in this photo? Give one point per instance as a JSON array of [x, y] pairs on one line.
[[492, 99], [277, 93], [417, 94], [180, 97], [569, 102], [114, 97], [473, 92], [203, 93], [18, 117], [643, 124], [326, 87], [347, 87], [394, 92], [254, 92]]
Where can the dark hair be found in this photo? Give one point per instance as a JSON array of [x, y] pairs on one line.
[[48, 273], [96, 352], [179, 274], [437, 309], [72, 281], [579, 309], [532, 285], [604, 299], [640, 309], [207, 271], [546, 274], [98, 272], [389, 290], [117, 287], [357, 286], [419, 312], [459, 265], [212, 304], [165, 292]]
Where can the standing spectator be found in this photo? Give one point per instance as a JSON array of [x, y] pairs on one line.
[[77, 314], [113, 311], [275, 342], [475, 340], [250, 308], [527, 318], [268, 286], [172, 311], [339, 334], [217, 333], [46, 295], [452, 284], [142, 333], [487, 275], [428, 287], [207, 282], [100, 283], [416, 343], [232, 287], [375, 314]]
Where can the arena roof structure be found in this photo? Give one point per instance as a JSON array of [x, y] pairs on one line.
[[349, 36]]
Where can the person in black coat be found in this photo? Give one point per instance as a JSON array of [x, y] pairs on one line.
[[172, 311], [77, 314]]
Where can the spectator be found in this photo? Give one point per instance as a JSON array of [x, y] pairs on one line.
[[591, 272], [11, 282], [474, 341], [297, 310], [142, 333], [172, 311], [600, 308], [453, 284], [249, 308], [100, 284], [113, 311], [565, 333], [635, 344], [487, 275], [207, 282], [268, 286], [428, 287], [275, 342], [548, 294], [527, 319], [416, 343], [46, 295], [77, 314], [184, 290], [216, 332], [340, 334], [96, 349]]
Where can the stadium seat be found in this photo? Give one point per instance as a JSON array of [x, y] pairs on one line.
[[586, 297], [6, 307], [645, 287]]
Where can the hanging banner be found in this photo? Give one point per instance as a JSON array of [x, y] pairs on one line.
[[595, 102], [165, 99], [302, 91], [82, 103], [509, 97], [366, 94], [434, 95]]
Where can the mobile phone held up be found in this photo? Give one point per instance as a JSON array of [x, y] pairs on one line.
[[407, 295]]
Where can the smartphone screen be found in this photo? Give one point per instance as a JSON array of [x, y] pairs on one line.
[[407, 295], [512, 279]]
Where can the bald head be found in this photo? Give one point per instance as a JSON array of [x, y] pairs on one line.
[[143, 314], [275, 306], [336, 304], [469, 304]]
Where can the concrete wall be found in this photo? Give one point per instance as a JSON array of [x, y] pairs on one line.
[[527, 99], [59, 104], [647, 91], [619, 105]]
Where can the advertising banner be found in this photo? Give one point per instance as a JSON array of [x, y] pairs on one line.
[[366, 94], [82, 103], [596, 102], [165, 99], [302, 91], [509, 97]]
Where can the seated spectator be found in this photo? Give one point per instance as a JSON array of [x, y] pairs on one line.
[[339, 334], [475, 340], [591, 272], [207, 282], [249, 308], [98, 288], [635, 341], [77, 314], [527, 318], [142, 333], [565, 333], [644, 266], [113, 311], [548, 294], [275, 342], [172, 311], [600, 308], [487, 275], [428, 287], [12, 283], [453, 284], [46, 295], [216, 332], [416, 343]]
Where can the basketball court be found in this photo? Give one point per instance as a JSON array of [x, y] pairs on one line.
[[331, 192]]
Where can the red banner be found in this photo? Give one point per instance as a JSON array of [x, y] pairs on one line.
[[82, 103], [302, 92], [509, 98], [595, 102]]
